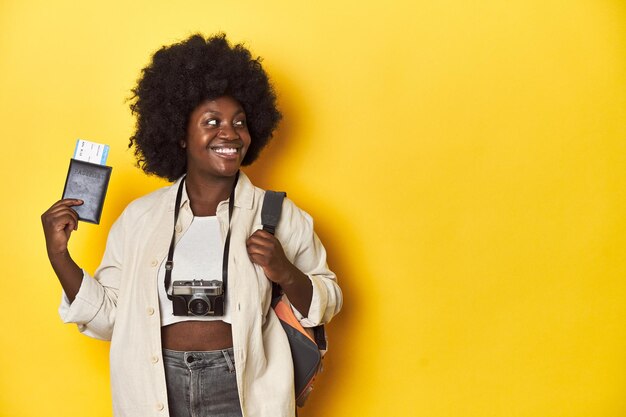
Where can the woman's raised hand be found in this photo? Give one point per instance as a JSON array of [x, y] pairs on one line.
[[59, 221]]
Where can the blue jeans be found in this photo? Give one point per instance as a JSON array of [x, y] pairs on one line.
[[201, 384]]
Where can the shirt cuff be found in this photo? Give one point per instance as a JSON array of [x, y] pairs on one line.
[[318, 303], [81, 310]]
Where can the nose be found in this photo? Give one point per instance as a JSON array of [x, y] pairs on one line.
[[228, 132]]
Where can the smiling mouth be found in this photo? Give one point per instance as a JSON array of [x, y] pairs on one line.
[[226, 151]]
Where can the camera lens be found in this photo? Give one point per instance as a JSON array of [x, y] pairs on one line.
[[199, 305]]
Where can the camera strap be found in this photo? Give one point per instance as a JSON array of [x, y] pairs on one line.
[[169, 264]]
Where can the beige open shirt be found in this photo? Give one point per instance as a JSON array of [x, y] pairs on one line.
[[121, 304]]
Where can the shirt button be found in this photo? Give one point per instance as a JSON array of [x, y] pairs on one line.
[[160, 406], [150, 311], [154, 262], [179, 228], [155, 359]]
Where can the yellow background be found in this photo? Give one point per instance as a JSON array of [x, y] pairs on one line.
[[465, 163]]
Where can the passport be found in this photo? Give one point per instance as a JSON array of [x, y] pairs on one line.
[[88, 182]]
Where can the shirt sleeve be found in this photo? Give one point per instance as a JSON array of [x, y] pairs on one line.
[[94, 307], [310, 258]]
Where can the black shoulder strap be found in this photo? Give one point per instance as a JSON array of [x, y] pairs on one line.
[[270, 215], [272, 208]]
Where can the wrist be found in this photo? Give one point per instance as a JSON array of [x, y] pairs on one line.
[[282, 276], [291, 277], [59, 256]]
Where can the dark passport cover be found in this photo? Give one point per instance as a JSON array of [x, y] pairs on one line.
[[87, 182]]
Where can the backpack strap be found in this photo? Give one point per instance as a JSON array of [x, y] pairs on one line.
[[270, 215], [272, 208]]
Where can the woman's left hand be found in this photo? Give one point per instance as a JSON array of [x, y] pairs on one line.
[[267, 252]]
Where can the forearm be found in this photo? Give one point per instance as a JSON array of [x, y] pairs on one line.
[[298, 288], [69, 273]]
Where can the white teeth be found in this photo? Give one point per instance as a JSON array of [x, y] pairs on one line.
[[226, 150]]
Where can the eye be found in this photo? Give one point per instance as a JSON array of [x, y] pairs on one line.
[[211, 122], [240, 123]]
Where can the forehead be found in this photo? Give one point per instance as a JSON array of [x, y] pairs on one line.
[[225, 105]]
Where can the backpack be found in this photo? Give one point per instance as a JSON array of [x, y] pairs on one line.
[[308, 346]]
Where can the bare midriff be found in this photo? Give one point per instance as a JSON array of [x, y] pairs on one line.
[[197, 336]]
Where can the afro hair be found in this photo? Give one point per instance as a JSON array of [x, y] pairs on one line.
[[182, 76]]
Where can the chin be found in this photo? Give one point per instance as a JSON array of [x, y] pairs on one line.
[[229, 171]]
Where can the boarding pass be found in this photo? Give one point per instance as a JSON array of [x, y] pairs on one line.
[[93, 152]]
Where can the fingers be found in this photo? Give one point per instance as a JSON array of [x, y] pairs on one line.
[[64, 204], [58, 223], [262, 247], [262, 237], [61, 214], [267, 252]]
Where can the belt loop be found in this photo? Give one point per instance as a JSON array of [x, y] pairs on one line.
[[229, 361]]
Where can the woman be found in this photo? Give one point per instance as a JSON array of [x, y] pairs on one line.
[[204, 108]]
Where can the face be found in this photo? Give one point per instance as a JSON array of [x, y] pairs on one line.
[[217, 138]]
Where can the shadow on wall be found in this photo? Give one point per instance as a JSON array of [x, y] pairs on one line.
[[264, 175]]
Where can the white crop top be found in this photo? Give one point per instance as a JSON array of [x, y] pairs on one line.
[[197, 255]]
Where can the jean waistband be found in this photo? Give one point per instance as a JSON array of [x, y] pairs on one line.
[[193, 359]]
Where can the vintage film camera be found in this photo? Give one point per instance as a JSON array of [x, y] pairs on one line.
[[198, 298]]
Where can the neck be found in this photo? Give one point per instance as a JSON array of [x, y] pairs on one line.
[[206, 193]]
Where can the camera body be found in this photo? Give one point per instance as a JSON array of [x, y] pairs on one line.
[[198, 298]]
